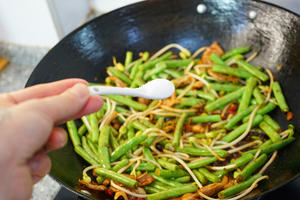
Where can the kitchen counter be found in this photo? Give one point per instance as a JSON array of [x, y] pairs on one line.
[[22, 61]]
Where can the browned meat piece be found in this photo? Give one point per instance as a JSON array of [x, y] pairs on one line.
[[145, 179]]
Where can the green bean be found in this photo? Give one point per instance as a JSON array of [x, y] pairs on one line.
[[183, 179], [209, 176], [204, 118], [93, 147], [239, 116], [220, 173], [198, 93], [139, 126], [128, 58], [123, 148], [238, 72], [144, 166], [235, 51], [121, 110], [152, 63], [159, 67], [120, 165], [178, 129], [153, 77], [253, 101], [99, 180], [252, 70], [145, 56], [116, 177], [268, 108], [201, 163], [87, 148], [272, 134], [272, 122], [148, 154], [277, 145], [227, 87], [166, 181], [216, 59], [100, 113], [159, 124], [258, 96], [147, 123], [174, 73], [167, 165], [130, 132], [72, 129], [151, 190], [135, 70], [178, 63], [239, 187], [119, 74], [128, 102], [80, 151], [241, 161], [82, 130], [265, 144], [251, 83], [94, 125], [224, 100], [103, 144], [138, 81], [163, 75], [233, 59], [170, 173], [174, 192], [279, 97], [200, 176], [240, 129], [160, 185], [268, 147], [252, 167], [189, 101], [113, 141], [264, 110], [201, 152], [114, 131]]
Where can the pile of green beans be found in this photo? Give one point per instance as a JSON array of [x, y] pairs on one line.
[[203, 126]]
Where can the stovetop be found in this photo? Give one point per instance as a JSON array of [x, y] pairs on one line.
[[289, 191]]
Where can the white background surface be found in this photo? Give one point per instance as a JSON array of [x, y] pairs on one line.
[[45, 22], [37, 23], [27, 22]]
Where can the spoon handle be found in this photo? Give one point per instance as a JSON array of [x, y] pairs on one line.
[[103, 90]]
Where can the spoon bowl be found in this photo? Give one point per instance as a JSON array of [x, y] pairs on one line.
[[155, 89]]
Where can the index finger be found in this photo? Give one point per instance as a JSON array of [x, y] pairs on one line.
[[44, 90]]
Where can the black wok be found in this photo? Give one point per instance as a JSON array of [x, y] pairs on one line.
[[150, 25]]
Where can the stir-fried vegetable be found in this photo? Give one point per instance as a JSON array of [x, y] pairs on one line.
[[213, 138]]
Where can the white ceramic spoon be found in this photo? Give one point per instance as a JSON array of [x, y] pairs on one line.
[[156, 89]]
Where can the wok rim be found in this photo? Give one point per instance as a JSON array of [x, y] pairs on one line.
[[259, 196]]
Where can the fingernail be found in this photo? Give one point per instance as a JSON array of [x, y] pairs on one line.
[[80, 90], [63, 139]]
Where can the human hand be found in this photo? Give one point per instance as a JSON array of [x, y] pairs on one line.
[[28, 124]]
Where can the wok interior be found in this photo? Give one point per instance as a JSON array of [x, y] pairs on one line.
[[275, 33]]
